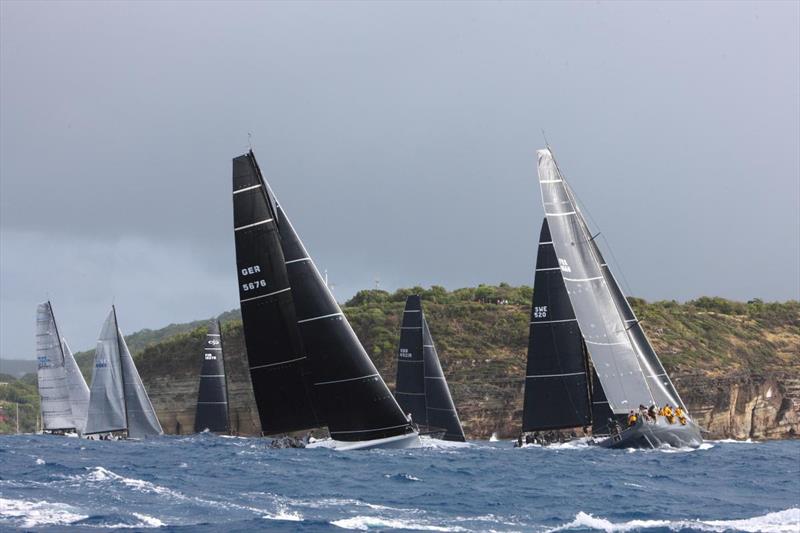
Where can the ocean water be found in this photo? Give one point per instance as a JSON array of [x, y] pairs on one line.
[[209, 483]]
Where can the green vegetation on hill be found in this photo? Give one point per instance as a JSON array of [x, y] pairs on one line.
[[20, 392], [481, 334]]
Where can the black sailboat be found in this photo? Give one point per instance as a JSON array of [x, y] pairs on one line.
[[627, 370], [307, 366], [421, 388], [212, 397]]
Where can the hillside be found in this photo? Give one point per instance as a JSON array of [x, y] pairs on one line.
[[737, 365]]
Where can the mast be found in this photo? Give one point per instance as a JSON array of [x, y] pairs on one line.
[[556, 384]]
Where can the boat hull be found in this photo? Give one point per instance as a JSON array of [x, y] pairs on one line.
[[398, 442], [656, 435]]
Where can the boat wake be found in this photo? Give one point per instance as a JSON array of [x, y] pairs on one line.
[[787, 521]]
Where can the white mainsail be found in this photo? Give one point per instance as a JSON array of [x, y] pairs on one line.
[[78, 390], [621, 367], [53, 392], [106, 399]]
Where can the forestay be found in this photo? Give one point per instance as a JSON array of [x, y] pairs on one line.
[[53, 391], [604, 331]]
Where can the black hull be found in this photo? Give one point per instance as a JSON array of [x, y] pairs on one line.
[[657, 434]]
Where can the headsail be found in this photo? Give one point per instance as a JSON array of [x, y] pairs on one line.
[[212, 398], [78, 390], [441, 410], [274, 350], [351, 396], [53, 391], [607, 336], [556, 385], [142, 419], [410, 383], [106, 397], [601, 412]]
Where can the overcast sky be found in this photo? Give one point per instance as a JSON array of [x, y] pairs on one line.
[[401, 139]]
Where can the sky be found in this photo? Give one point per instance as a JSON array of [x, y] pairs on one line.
[[401, 139]]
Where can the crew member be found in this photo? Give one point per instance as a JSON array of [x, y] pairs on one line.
[[631, 418]]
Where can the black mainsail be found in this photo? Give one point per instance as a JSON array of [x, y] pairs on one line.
[[556, 384], [212, 396], [274, 349], [421, 388], [307, 365]]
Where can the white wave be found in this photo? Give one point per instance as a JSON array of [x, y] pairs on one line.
[[580, 443], [100, 474], [27, 514], [407, 477], [145, 521], [734, 441], [427, 442], [40, 461], [493, 438], [787, 521], [283, 513], [666, 448], [363, 523]]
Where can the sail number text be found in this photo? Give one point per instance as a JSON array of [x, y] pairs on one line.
[[252, 285]]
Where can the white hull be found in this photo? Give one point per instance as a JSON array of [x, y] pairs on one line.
[[398, 442]]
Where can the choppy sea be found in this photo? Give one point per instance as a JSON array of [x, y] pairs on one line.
[[209, 483]]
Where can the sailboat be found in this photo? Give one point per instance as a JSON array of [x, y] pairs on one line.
[[626, 370], [421, 388], [118, 402], [307, 367], [62, 390], [557, 394], [212, 398]]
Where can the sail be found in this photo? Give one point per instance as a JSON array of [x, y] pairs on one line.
[[78, 390], [142, 419], [556, 385], [212, 398], [441, 412], [351, 396], [410, 384], [604, 331], [106, 398], [53, 391], [660, 385], [601, 412], [277, 362]]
